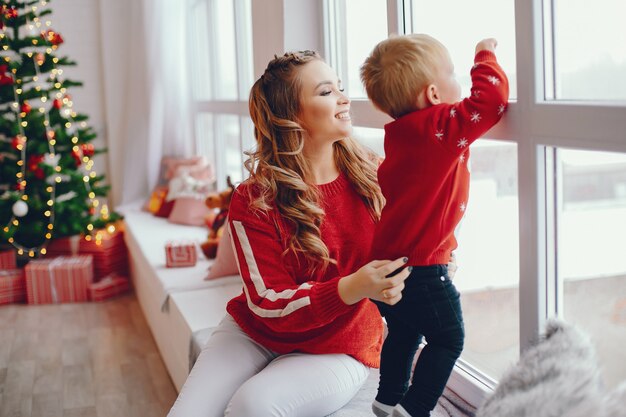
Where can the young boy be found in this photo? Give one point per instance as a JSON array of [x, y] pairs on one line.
[[425, 181]]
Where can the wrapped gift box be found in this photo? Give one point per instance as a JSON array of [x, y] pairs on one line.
[[180, 254], [12, 286], [59, 280], [7, 259], [108, 287], [110, 254]]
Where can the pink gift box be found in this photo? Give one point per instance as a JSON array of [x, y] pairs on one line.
[[180, 254], [108, 287], [7, 259], [12, 286], [59, 280]]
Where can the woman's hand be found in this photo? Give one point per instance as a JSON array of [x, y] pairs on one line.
[[371, 282], [452, 266]]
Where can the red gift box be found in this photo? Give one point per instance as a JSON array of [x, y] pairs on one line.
[[7, 259], [180, 254], [59, 280], [109, 251], [12, 286], [108, 287]]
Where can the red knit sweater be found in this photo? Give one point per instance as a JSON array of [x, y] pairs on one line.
[[286, 308], [425, 176]]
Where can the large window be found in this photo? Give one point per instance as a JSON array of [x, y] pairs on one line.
[[542, 233], [221, 69]]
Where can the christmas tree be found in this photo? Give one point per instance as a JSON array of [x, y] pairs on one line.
[[48, 186]]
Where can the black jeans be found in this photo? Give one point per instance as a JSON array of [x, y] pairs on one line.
[[430, 307]]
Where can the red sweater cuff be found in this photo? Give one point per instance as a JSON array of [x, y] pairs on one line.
[[484, 55], [327, 302]]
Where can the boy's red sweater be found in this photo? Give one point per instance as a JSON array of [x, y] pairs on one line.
[[286, 308], [425, 176]]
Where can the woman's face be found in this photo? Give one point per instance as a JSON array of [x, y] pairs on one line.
[[324, 109]]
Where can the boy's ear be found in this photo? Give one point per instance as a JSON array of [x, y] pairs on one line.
[[432, 95]]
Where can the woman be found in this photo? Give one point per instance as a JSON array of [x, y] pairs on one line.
[[300, 339]]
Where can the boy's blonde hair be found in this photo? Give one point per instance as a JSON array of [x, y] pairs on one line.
[[398, 70]]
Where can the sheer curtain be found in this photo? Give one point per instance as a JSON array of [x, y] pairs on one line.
[[146, 89]]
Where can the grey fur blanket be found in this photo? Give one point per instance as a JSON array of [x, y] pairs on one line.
[[557, 377]]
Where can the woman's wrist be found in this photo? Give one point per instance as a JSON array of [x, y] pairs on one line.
[[346, 290]]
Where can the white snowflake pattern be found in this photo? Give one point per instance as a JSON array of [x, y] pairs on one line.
[[462, 158], [475, 117], [493, 80], [501, 108], [462, 143], [452, 112], [476, 93], [462, 207], [439, 134]]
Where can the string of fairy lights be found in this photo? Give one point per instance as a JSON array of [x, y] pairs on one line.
[[63, 102]]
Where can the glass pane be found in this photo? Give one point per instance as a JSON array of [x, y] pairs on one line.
[[591, 260], [589, 64], [229, 146], [366, 25], [465, 23], [199, 62], [371, 138], [488, 259], [224, 44], [205, 138]]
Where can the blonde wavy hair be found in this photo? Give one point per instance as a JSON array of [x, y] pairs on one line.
[[399, 69], [281, 174]]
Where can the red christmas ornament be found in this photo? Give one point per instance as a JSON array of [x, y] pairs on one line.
[[88, 149], [5, 79], [33, 161], [92, 211], [53, 37], [17, 141], [33, 166], [9, 13], [19, 186], [57, 104], [25, 108], [78, 156]]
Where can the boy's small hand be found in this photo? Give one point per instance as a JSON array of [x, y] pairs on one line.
[[488, 44]]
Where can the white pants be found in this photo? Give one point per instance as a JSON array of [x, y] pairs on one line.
[[236, 377]]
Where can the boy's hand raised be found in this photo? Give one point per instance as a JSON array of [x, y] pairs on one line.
[[488, 44]]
